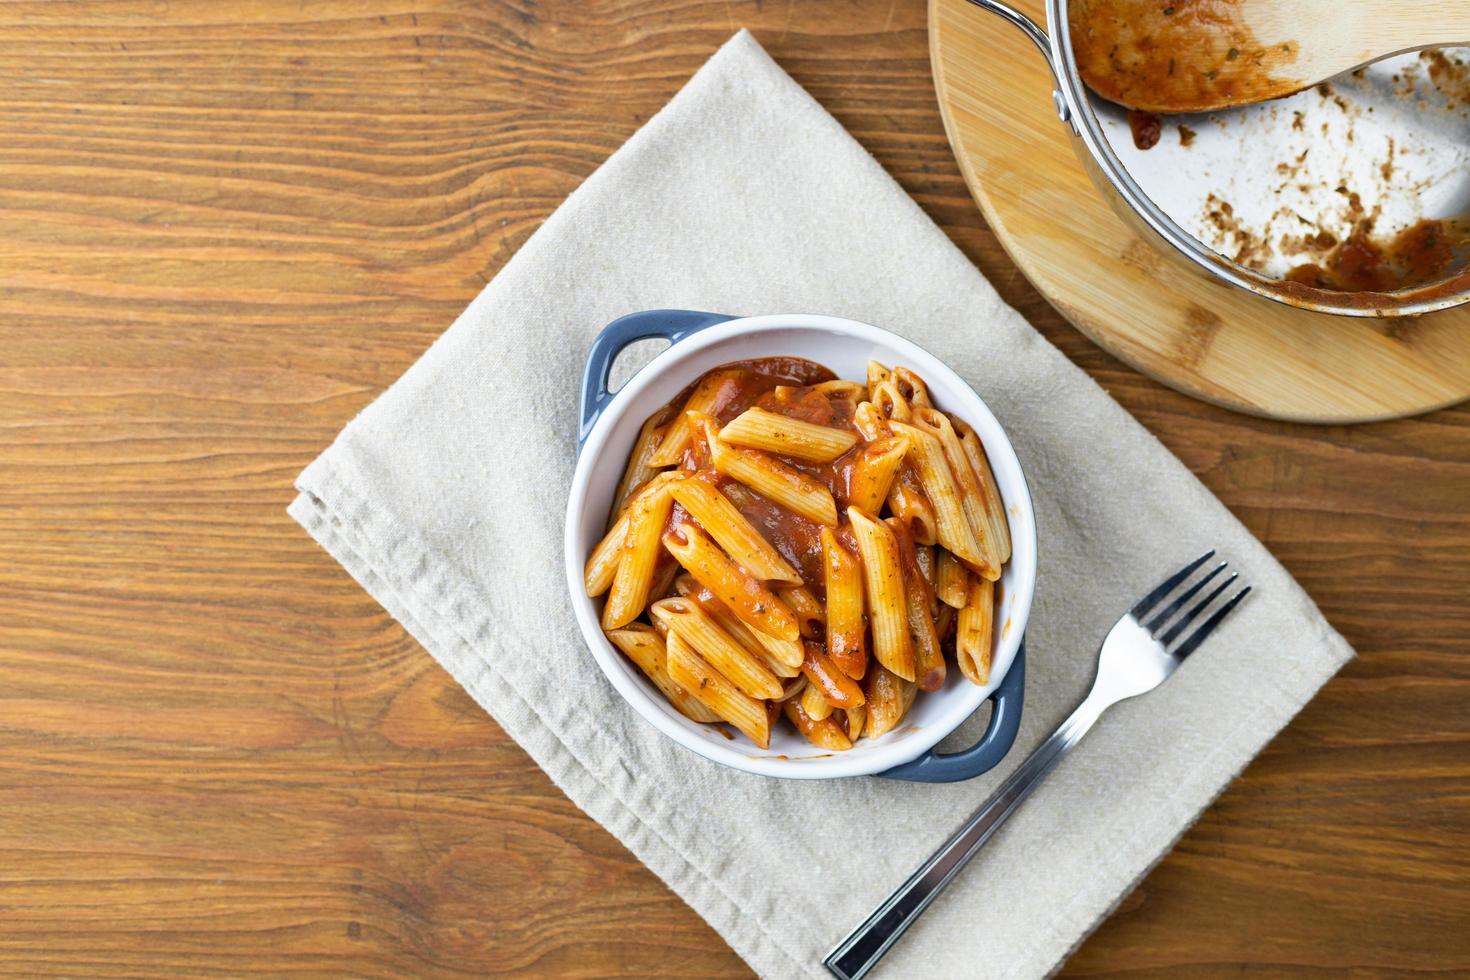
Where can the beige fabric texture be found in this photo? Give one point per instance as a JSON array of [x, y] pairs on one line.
[[445, 500]]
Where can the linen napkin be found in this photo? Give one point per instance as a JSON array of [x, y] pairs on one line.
[[445, 500]]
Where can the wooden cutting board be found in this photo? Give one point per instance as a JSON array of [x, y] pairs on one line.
[[1201, 336]]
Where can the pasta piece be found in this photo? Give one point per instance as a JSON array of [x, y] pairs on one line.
[[821, 673], [888, 700], [908, 503], [846, 630], [873, 474], [640, 469], [952, 582], [954, 530], [877, 374], [634, 578], [717, 648], [602, 564], [889, 401], [710, 688], [732, 531], [887, 604], [995, 508], [853, 720], [944, 622], [849, 393], [750, 601], [924, 558], [789, 488], [870, 423], [974, 634], [645, 647], [972, 496], [810, 615], [705, 398], [756, 428], [814, 703], [823, 733], [781, 657], [912, 387], [919, 600]]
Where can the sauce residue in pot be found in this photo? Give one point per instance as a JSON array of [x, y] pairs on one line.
[[1176, 55], [1146, 127], [1426, 252]]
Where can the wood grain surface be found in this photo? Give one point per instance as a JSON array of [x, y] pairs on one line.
[[1124, 287], [225, 227]]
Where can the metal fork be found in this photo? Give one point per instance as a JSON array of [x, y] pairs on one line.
[[1141, 650]]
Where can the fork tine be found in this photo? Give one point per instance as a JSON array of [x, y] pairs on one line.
[[1198, 636], [1152, 599], [1178, 604], [1199, 607]]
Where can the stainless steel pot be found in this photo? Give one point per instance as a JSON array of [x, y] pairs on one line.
[[1262, 155]]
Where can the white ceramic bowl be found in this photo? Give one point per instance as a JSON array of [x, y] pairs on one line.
[[845, 346]]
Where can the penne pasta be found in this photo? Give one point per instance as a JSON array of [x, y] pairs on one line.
[[924, 558], [974, 632], [953, 529], [952, 582], [821, 673], [810, 615], [972, 496], [710, 688], [634, 578], [781, 657], [705, 398], [877, 374], [888, 697], [912, 387], [771, 478], [874, 472], [756, 428], [995, 508], [908, 503], [716, 647], [889, 401], [645, 647], [886, 601], [602, 564], [814, 703], [919, 602], [750, 601], [731, 531], [752, 566], [871, 425], [821, 732], [846, 629], [640, 468]]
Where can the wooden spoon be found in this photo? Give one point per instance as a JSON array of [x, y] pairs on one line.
[[1201, 55]]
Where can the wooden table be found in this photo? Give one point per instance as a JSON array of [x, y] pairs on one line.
[[225, 227]]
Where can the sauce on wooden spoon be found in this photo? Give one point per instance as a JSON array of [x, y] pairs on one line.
[[1177, 55]]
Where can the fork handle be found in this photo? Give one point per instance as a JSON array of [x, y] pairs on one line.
[[860, 951]]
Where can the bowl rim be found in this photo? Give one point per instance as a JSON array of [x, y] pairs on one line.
[[663, 717]]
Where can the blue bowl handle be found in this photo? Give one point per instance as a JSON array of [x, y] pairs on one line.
[[1005, 721], [672, 325]]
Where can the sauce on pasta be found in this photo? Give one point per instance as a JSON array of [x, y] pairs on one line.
[[788, 543]]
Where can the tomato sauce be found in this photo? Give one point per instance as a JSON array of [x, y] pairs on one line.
[[786, 386]]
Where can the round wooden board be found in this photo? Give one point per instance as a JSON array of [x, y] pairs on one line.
[[1203, 337]]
